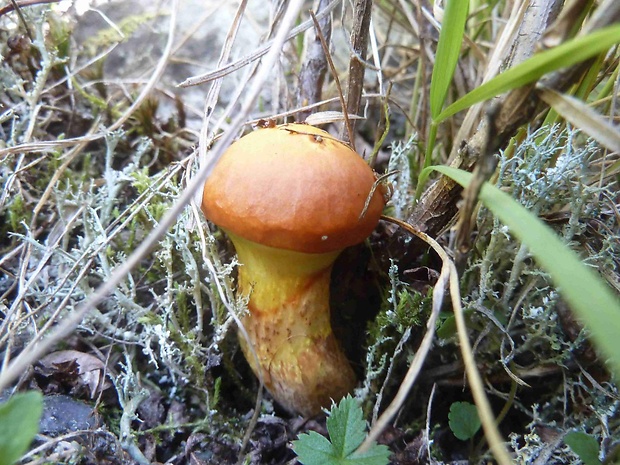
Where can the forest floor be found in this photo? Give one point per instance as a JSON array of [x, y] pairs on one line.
[[99, 141]]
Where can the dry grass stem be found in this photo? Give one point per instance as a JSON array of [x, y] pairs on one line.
[[359, 44], [261, 51], [416, 364], [314, 68], [343, 104]]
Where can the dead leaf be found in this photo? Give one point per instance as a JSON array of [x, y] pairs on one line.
[[325, 117], [76, 369], [584, 117]]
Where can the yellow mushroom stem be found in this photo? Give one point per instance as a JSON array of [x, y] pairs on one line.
[[289, 326]]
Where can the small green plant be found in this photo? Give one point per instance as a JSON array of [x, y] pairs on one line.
[[19, 422], [587, 293], [347, 430], [463, 420], [585, 446]]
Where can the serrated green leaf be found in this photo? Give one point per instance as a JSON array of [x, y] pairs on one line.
[[463, 420], [376, 455], [346, 426], [586, 293], [313, 449], [19, 422], [347, 429], [585, 446]]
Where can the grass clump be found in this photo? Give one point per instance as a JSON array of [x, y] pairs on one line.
[[517, 317]]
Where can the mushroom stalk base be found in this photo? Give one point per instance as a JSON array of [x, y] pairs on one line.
[[289, 327]]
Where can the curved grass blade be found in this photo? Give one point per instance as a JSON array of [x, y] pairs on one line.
[[569, 53], [586, 293]]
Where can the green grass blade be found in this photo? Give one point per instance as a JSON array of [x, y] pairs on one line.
[[586, 293], [569, 53], [430, 145], [448, 51]]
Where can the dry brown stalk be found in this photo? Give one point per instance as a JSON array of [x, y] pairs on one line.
[[438, 206], [312, 74], [359, 45]]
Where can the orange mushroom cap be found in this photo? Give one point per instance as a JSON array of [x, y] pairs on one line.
[[293, 187]]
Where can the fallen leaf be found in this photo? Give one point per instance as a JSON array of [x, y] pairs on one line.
[[76, 369]]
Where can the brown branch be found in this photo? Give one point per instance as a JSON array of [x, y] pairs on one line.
[[482, 172], [16, 5], [332, 67], [359, 44], [312, 74]]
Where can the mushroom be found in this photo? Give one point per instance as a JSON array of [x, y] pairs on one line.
[[291, 198]]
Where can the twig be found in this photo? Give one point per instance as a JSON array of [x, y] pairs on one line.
[[359, 42], [449, 275], [86, 259], [374, 187], [66, 326], [226, 298], [437, 207], [53, 145], [485, 413], [345, 111], [53, 442], [427, 429], [425, 345], [383, 128], [214, 90], [483, 171], [155, 76], [294, 111], [17, 7], [258, 53], [68, 159], [312, 74]]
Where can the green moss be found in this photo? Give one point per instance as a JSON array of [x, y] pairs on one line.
[[17, 213], [121, 33]]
